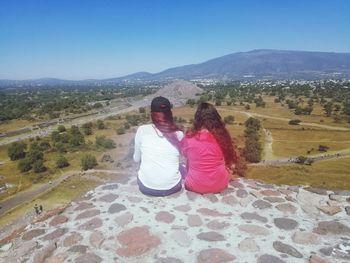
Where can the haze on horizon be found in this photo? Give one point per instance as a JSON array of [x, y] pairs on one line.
[[104, 39]]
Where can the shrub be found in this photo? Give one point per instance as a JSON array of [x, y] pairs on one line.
[[120, 131], [323, 148], [61, 128], [88, 161], [102, 141], [229, 119], [100, 125], [294, 122], [38, 166]]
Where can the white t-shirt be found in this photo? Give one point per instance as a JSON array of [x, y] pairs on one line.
[[159, 167]]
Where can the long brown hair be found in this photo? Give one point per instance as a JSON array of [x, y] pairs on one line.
[[164, 122], [207, 117]]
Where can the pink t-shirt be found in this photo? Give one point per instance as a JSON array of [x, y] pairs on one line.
[[206, 164]]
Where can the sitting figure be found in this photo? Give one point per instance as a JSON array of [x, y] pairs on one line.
[[209, 151], [157, 147]]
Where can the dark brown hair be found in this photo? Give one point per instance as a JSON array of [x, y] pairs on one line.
[[164, 122], [207, 117]]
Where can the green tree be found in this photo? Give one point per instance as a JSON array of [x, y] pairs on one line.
[[62, 162], [102, 141], [229, 119], [61, 128], [16, 150], [120, 131], [38, 166], [88, 161], [100, 125], [24, 165]]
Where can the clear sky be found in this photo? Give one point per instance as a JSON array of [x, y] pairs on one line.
[[74, 39]]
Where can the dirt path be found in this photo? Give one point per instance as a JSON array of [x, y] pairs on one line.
[[27, 196], [268, 150]]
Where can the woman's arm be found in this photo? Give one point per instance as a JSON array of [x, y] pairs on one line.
[[137, 146]]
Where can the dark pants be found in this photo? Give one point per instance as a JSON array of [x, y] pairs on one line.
[[153, 192]]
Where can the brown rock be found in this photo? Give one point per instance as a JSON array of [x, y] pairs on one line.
[[286, 208], [88, 214], [136, 241], [96, 239], [55, 234], [57, 220], [33, 233], [78, 249], [91, 224], [330, 210], [59, 258], [211, 236], [165, 217], [88, 258], [194, 220], [305, 238], [317, 259], [116, 208], [50, 213], [214, 255], [230, 200], [254, 230], [287, 249], [183, 208], [42, 254], [285, 223], [84, 206], [72, 239], [211, 212], [217, 225]]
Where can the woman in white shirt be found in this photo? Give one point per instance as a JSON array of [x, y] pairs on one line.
[[157, 147]]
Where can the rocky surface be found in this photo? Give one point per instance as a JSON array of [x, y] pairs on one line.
[[248, 222]]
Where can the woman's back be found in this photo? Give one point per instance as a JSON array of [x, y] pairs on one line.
[[159, 168], [207, 172]]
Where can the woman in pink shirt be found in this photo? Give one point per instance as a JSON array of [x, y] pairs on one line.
[[209, 151]]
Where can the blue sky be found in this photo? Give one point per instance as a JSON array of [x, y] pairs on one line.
[[100, 39]]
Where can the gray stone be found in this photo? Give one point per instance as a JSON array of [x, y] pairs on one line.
[[286, 208], [331, 227], [236, 184], [168, 260], [211, 197], [342, 192], [88, 258], [109, 198], [83, 206], [191, 195], [164, 216], [217, 225], [253, 216], [347, 210], [24, 248], [124, 219], [274, 199], [211, 212], [183, 208], [116, 208], [254, 230], [248, 245], [181, 238], [285, 248], [78, 249], [241, 193], [327, 251], [110, 187], [230, 200], [211, 236], [342, 250], [285, 223], [214, 255], [269, 259], [309, 201], [261, 204], [315, 190], [194, 220]]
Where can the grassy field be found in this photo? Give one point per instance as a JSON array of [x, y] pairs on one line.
[[331, 174]]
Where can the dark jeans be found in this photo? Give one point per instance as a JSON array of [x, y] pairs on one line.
[[153, 192]]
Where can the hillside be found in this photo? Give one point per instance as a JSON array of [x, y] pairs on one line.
[[249, 222]]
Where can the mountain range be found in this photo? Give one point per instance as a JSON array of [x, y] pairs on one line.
[[255, 64]]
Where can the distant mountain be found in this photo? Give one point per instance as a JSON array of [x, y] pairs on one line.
[[266, 64], [256, 64]]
